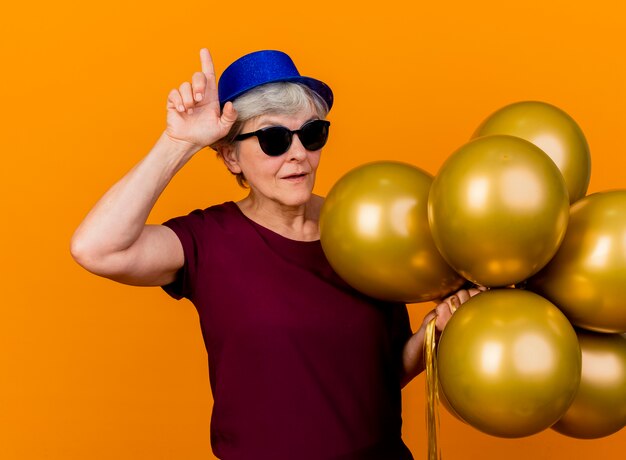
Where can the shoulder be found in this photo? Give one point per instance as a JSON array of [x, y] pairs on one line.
[[215, 213], [214, 221], [204, 230]]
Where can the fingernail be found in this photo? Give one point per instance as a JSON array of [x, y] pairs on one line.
[[190, 111], [454, 304], [181, 108], [198, 97]]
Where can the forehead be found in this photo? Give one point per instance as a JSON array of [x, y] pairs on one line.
[[289, 120]]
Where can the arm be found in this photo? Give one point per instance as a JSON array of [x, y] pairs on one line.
[[113, 240], [413, 353]]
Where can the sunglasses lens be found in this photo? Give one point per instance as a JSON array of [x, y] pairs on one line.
[[275, 141], [314, 134]]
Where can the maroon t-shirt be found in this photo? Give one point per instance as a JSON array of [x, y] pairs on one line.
[[301, 365]]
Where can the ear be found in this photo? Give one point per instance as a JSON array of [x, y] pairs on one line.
[[229, 156]]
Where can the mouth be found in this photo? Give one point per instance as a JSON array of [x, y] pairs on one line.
[[295, 176]]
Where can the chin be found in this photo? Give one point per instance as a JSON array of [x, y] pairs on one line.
[[296, 198], [295, 201]]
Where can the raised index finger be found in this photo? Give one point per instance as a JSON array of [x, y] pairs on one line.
[[209, 72], [207, 63]]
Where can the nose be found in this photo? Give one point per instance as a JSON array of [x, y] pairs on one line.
[[296, 151]]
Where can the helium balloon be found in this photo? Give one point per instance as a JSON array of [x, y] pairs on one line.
[[554, 132], [444, 402], [509, 363], [587, 277], [599, 408], [374, 232], [498, 210]]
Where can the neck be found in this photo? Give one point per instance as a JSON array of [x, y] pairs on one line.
[[299, 222]]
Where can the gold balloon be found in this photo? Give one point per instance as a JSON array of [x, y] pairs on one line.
[[599, 408], [498, 210], [446, 404], [554, 132], [374, 232], [509, 363], [587, 277]]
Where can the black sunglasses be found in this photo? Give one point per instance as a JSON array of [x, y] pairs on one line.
[[276, 140]]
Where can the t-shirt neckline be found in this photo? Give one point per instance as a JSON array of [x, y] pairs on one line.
[[271, 232]]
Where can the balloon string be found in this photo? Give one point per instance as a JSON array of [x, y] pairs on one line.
[[432, 393]]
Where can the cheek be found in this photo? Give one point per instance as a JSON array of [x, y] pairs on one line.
[[314, 160], [265, 167]]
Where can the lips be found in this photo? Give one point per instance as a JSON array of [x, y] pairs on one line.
[[295, 175]]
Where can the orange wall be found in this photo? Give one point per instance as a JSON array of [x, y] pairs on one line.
[[94, 370]]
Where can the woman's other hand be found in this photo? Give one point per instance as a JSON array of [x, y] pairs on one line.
[[413, 352], [446, 307], [193, 110]]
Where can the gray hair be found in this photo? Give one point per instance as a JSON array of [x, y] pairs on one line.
[[281, 98]]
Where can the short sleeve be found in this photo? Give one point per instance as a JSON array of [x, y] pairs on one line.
[[188, 229]]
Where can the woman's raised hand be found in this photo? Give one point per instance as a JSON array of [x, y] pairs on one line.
[[193, 110]]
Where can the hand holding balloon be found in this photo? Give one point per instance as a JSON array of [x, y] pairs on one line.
[[413, 353], [446, 307]]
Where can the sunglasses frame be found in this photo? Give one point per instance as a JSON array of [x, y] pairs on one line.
[[260, 133]]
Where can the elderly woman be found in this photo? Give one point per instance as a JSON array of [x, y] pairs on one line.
[[301, 365]]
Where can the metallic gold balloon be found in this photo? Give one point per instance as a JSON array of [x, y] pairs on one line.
[[587, 277], [444, 402], [509, 363], [599, 408], [374, 232], [554, 132], [498, 210]]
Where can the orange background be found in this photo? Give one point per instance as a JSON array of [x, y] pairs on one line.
[[94, 370]]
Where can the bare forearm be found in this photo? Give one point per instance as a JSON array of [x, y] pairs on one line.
[[118, 218], [413, 353]]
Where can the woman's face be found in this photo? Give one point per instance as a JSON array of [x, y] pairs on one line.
[[287, 179]]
